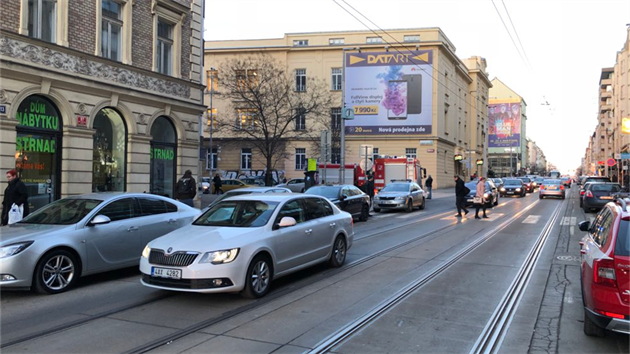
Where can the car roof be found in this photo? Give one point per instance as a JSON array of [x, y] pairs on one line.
[[256, 189], [274, 197], [104, 196]]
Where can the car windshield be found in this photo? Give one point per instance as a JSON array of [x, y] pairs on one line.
[[62, 212], [551, 181], [238, 213], [525, 179], [512, 182], [325, 191], [231, 194], [396, 187], [605, 188], [622, 248]]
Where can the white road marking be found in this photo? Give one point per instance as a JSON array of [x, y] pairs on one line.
[[532, 219], [569, 220], [406, 216], [379, 216], [572, 230]]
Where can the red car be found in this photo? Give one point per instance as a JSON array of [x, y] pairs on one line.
[[605, 277]]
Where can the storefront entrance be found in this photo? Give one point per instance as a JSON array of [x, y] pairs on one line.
[[38, 150], [163, 157]]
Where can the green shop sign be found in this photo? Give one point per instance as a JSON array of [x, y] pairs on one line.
[[38, 112], [35, 144], [162, 154]]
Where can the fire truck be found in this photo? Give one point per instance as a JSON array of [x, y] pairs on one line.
[[398, 168], [353, 174]]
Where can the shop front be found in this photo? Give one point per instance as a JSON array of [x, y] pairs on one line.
[[163, 157], [110, 152], [38, 149]]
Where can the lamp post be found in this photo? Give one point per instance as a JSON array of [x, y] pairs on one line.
[[342, 167], [211, 120]]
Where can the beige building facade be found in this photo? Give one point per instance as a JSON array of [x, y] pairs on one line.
[[454, 108], [111, 107]]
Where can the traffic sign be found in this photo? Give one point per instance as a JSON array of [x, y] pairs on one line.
[[347, 113], [611, 162], [601, 163]]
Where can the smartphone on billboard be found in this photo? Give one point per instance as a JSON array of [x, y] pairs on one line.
[[414, 93], [397, 99]]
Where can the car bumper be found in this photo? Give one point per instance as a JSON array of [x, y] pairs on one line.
[[609, 323], [20, 267], [548, 193], [198, 278], [595, 203], [396, 204], [511, 192]]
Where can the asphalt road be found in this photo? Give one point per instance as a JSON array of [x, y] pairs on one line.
[[113, 313]]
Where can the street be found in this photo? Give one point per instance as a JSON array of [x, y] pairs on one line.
[[422, 282]]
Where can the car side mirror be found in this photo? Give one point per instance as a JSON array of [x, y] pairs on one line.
[[343, 197], [100, 220], [585, 225], [287, 221]]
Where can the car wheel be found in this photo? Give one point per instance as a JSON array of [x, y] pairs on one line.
[[338, 256], [56, 272], [423, 205], [581, 203], [591, 329], [376, 210], [258, 278], [302, 191], [365, 213], [540, 197], [409, 208]]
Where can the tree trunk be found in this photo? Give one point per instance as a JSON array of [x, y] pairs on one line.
[[268, 174]]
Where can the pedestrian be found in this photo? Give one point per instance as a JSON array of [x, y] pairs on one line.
[[369, 186], [480, 200], [461, 191], [429, 185], [15, 193], [186, 189], [216, 181]]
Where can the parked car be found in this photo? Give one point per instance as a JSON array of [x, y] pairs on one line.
[[491, 195], [206, 182], [597, 194], [497, 182], [247, 190], [528, 184], [296, 185], [551, 188], [605, 268], [346, 197], [243, 243], [592, 179], [230, 184], [254, 181], [403, 195], [52, 247], [566, 181], [512, 186]]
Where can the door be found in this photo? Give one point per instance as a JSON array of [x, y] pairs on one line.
[[291, 243], [346, 201], [416, 195], [321, 216], [118, 243], [157, 218], [37, 160]]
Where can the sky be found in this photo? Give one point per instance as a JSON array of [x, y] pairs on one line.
[[564, 46]]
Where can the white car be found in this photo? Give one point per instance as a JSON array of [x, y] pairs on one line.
[[296, 185], [244, 242], [205, 185]]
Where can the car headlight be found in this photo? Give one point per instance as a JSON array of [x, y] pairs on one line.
[[502, 189], [13, 249], [518, 189], [535, 184], [146, 251], [220, 257], [205, 187], [486, 195]]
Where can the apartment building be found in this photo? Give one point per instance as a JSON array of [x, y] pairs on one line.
[[443, 123], [100, 95], [536, 162]]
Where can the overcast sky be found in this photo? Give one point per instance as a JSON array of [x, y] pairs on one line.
[[566, 43]]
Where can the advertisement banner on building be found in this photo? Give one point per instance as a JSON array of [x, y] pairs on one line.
[[504, 123], [390, 92]]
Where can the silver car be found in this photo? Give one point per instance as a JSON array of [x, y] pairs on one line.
[[248, 190], [244, 242], [399, 195], [80, 235], [551, 188], [296, 185]]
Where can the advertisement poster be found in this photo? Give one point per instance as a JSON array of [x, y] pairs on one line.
[[504, 124], [390, 92]]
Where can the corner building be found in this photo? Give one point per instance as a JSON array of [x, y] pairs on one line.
[[99, 96], [443, 124]]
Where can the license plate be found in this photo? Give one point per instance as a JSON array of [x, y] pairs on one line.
[[470, 200], [166, 273], [605, 197], [552, 188], [510, 192]]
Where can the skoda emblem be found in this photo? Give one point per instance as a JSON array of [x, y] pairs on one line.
[[169, 250]]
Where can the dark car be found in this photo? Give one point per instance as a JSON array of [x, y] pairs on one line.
[[512, 186], [592, 179], [497, 182], [346, 197], [491, 194], [528, 183], [597, 194]]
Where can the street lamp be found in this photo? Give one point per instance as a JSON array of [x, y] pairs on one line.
[[211, 119], [342, 144]]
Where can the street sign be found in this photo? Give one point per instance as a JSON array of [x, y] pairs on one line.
[[3, 109], [611, 162], [625, 155], [312, 165], [617, 156], [347, 113], [601, 163], [366, 151], [366, 164]]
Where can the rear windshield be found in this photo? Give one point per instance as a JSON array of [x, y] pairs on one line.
[[597, 179], [551, 181], [512, 182], [525, 179], [606, 188], [325, 191], [622, 248]]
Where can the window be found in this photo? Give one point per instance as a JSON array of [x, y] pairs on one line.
[[412, 38], [164, 48], [336, 79], [252, 78], [300, 79], [246, 159], [42, 19], [411, 153], [292, 209], [211, 159], [150, 206], [316, 208], [111, 30], [335, 155], [335, 118], [374, 40], [109, 146], [212, 77], [300, 42], [300, 119], [118, 210], [300, 159], [375, 154], [212, 118], [336, 41], [246, 119]]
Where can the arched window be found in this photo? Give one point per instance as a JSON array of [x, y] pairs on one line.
[[163, 156], [110, 151]]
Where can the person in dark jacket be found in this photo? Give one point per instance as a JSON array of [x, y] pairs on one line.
[[15, 193], [461, 191], [217, 183], [186, 192], [369, 186], [429, 185]]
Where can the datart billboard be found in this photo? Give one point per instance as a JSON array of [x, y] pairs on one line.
[[390, 92], [504, 124]]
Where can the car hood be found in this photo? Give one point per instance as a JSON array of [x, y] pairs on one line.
[[29, 232], [392, 194], [205, 238]]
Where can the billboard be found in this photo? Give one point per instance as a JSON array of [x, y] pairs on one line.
[[390, 92], [504, 123]]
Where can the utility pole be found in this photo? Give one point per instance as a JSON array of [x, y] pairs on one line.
[[342, 167], [211, 121]]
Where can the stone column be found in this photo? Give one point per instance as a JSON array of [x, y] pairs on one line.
[[8, 136], [76, 161], [138, 163], [188, 159]]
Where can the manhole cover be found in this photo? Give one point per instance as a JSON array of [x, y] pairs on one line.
[[568, 258]]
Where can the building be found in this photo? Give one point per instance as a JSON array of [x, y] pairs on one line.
[[100, 95], [536, 162], [507, 134], [621, 107], [443, 124], [605, 132]]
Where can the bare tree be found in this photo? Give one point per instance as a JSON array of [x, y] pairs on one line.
[[270, 107]]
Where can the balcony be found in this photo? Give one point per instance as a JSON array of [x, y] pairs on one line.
[[605, 94], [605, 108]]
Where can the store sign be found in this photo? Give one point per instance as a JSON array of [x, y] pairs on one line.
[[430, 151], [37, 114], [162, 154], [601, 163], [81, 121], [36, 144]]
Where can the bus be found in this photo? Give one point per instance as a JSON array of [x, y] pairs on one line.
[[554, 174]]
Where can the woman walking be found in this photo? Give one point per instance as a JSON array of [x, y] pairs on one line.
[[480, 200], [15, 193]]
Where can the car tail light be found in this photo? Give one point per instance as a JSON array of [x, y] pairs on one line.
[[561, 188], [581, 192], [612, 314], [542, 187], [589, 194], [604, 272]]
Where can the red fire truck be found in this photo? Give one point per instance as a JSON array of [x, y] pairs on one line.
[[329, 173], [399, 168]]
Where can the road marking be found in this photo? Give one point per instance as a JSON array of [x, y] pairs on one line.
[[572, 231], [380, 216], [406, 216], [569, 220], [532, 219]]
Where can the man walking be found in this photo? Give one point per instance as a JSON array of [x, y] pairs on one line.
[[217, 184], [429, 185], [186, 189], [461, 191]]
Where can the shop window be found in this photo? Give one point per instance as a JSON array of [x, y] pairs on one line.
[[163, 157], [110, 150]]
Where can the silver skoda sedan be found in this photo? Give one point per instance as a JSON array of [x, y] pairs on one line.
[[80, 235], [242, 243]]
